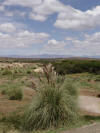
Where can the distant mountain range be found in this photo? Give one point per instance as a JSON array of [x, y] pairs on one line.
[[49, 56], [38, 56]]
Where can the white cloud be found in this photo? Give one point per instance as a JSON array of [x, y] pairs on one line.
[[9, 13], [22, 14], [67, 16], [47, 7], [15, 13], [37, 17], [78, 20], [89, 40], [7, 27], [2, 8], [41, 9], [90, 45], [54, 46], [24, 3], [22, 39]]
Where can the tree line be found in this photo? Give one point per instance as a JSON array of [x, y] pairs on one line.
[[77, 66]]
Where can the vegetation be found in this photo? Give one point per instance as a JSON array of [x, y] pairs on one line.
[[13, 92], [53, 106], [6, 71], [53, 96], [77, 66]]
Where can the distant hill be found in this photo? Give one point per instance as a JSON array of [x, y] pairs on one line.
[[38, 56], [46, 56]]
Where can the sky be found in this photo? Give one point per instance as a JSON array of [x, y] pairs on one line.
[[60, 27]]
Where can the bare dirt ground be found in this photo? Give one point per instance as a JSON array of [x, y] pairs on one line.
[[93, 128], [8, 106], [89, 104], [86, 92]]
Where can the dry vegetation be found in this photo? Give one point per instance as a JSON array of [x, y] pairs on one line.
[[52, 97]]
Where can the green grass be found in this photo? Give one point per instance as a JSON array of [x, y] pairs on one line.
[[12, 91], [6, 71], [87, 81], [11, 123], [92, 118], [15, 93], [52, 106], [10, 128]]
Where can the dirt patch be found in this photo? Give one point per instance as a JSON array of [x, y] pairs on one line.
[[7, 106], [89, 104], [93, 128], [86, 92]]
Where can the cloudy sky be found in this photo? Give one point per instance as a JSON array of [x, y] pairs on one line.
[[63, 27]]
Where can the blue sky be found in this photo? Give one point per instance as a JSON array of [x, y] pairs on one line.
[[69, 27]]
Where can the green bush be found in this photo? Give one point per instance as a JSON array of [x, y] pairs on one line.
[[15, 94], [3, 92], [6, 71], [29, 72], [51, 107], [77, 66], [97, 78], [4, 88], [71, 87]]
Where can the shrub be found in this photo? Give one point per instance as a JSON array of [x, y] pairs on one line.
[[4, 88], [77, 66], [28, 71], [97, 78], [6, 71], [15, 94], [50, 75], [71, 87], [51, 107], [3, 92]]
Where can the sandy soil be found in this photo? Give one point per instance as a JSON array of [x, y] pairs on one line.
[[93, 128], [7, 106], [89, 104]]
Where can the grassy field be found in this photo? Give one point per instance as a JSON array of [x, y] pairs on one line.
[[18, 86], [89, 84]]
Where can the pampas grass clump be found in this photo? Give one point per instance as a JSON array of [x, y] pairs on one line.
[[51, 107]]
